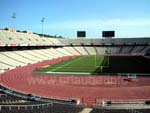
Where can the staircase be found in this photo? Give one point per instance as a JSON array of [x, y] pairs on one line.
[[86, 110]]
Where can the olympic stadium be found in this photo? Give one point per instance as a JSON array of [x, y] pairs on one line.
[[60, 75]]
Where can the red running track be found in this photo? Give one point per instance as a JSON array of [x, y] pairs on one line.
[[88, 89]]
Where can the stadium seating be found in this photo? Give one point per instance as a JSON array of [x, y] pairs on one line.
[[81, 50], [90, 50], [13, 104], [72, 51]]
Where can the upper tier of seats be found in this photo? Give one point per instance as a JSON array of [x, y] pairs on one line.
[[13, 38], [102, 41]]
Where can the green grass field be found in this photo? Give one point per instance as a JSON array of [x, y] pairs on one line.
[[101, 65], [79, 64]]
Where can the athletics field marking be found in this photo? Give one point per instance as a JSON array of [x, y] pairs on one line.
[[59, 67]]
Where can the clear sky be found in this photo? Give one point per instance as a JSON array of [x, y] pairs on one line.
[[129, 18]]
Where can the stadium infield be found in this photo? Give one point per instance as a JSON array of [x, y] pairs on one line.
[[96, 65]]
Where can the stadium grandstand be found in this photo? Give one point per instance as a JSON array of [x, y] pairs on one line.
[[52, 75]]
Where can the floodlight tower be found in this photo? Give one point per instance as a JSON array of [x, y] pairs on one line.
[[42, 21], [13, 18]]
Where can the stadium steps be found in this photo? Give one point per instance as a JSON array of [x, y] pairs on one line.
[[68, 51], [86, 50], [10, 61], [135, 49], [90, 50], [53, 53], [56, 52], [63, 51], [21, 62], [125, 50], [29, 55], [72, 50], [121, 49], [86, 110], [9, 65], [18, 57], [40, 52], [131, 49], [31, 60], [36, 55], [100, 50], [96, 50], [4, 67], [143, 49], [46, 53], [128, 49], [138, 49], [50, 53], [77, 51], [82, 50]]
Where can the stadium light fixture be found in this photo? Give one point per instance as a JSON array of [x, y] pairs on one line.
[[42, 21], [13, 18]]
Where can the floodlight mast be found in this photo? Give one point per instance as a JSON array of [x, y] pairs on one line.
[[13, 18], [42, 21]]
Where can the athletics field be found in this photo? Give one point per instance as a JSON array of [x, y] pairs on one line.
[[94, 65]]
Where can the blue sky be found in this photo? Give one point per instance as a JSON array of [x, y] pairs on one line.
[[129, 18]]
